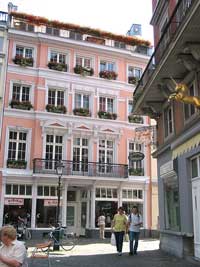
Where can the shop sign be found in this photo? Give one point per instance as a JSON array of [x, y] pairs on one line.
[[136, 156], [14, 201], [51, 203]]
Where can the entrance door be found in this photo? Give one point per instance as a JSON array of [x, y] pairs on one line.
[[196, 215], [72, 217]]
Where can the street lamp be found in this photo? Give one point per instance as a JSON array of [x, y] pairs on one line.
[[59, 170]]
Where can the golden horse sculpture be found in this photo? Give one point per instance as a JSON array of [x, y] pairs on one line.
[[181, 94]]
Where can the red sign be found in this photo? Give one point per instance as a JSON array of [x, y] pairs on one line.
[[14, 201], [51, 203]]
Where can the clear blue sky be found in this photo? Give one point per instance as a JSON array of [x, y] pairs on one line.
[[111, 15]]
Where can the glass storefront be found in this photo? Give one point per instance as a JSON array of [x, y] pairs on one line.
[[45, 213], [129, 205], [109, 208]]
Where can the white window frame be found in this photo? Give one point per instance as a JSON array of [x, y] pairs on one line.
[[28, 145], [25, 45], [82, 95], [58, 55], [24, 196], [107, 198], [172, 112], [54, 143], [198, 166], [84, 56], [106, 149], [134, 70], [30, 85], [60, 51], [107, 61], [106, 97], [139, 200], [56, 94], [49, 196]]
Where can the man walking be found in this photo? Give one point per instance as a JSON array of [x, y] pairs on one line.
[[134, 224]]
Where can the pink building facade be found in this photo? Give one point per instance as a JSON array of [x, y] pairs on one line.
[[69, 97]]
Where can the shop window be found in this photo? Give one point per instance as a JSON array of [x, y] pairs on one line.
[[195, 167], [132, 194], [28, 190], [15, 189], [84, 194], [109, 208], [129, 205], [53, 191], [45, 213], [22, 190], [47, 191], [140, 194], [40, 191], [71, 196], [106, 192], [8, 189]]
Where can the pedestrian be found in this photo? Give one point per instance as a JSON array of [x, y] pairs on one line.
[[119, 226], [101, 224], [12, 251], [134, 223]]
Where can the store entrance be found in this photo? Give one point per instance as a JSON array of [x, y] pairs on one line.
[[72, 217]]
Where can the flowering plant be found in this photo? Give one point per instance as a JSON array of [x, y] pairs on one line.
[[107, 74]]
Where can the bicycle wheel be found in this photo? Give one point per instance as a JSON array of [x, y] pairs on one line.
[[27, 234], [68, 242]]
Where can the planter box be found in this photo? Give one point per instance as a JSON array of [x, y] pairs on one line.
[[83, 71], [132, 80], [22, 61], [95, 40], [26, 105], [82, 112], [136, 172], [16, 164], [106, 74], [57, 66], [107, 115], [135, 119], [54, 109]]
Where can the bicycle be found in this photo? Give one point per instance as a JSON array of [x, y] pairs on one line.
[[67, 241], [23, 231]]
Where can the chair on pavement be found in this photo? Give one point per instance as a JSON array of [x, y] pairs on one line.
[[41, 251]]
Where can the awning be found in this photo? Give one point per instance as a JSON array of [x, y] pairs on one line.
[[187, 146]]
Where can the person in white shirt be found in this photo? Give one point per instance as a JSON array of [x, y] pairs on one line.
[[101, 224], [134, 224], [12, 251]]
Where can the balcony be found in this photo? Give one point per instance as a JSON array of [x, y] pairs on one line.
[[168, 59], [90, 169]]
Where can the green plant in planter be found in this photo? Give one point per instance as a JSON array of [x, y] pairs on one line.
[[26, 105], [56, 109], [132, 79], [82, 112], [135, 119], [83, 70], [107, 74], [57, 66], [136, 171], [23, 61], [107, 115], [16, 164]]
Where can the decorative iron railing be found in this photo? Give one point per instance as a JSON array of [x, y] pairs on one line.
[[171, 28], [91, 169]]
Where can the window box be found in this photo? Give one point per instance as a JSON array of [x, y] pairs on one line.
[[95, 40], [16, 164], [83, 70], [23, 61], [107, 115], [57, 66], [132, 79], [56, 109], [26, 105], [136, 171], [135, 119], [82, 112], [106, 74]]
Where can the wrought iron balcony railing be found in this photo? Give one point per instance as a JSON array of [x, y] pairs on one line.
[[91, 169], [171, 28]]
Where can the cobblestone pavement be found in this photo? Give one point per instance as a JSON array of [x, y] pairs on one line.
[[95, 253]]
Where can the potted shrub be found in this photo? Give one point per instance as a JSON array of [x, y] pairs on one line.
[[82, 112], [26, 105], [107, 74], [56, 109], [136, 171], [83, 71], [95, 40], [132, 80], [135, 119], [57, 66], [23, 61], [16, 164], [107, 115]]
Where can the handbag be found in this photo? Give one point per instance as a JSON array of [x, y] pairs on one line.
[[113, 240], [126, 237]]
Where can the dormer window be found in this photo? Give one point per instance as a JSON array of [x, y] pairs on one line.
[[120, 45], [75, 36], [52, 31]]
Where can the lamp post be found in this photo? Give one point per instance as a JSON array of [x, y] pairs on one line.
[[59, 171]]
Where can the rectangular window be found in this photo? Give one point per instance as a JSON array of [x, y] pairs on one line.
[[52, 31], [75, 36], [120, 45], [135, 167], [130, 107], [84, 62], [18, 189], [57, 57], [47, 191], [54, 149], [106, 192], [55, 97], [80, 154], [104, 65], [168, 121], [25, 52], [1, 43], [21, 93], [17, 145], [189, 110], [106, 155], [134, 72], [194, 167], [82, 101], [106, 104]]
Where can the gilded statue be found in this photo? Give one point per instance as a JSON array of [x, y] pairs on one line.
[[181, 94]]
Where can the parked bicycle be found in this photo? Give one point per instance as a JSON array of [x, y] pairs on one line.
[[23, 232], [66, 241]]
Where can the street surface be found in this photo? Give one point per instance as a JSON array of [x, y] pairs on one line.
[[97, 253]]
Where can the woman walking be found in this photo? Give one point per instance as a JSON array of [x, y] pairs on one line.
[[119, 225]]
